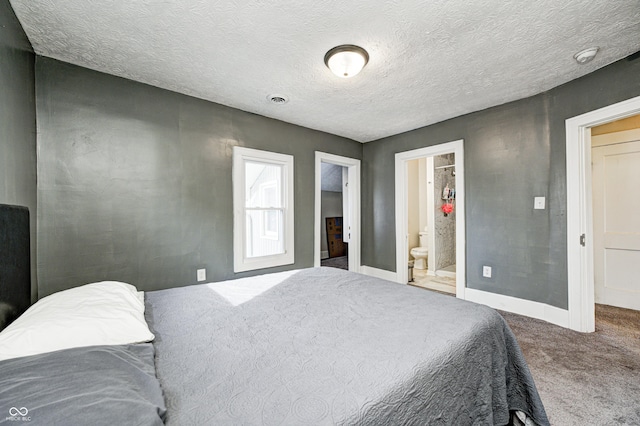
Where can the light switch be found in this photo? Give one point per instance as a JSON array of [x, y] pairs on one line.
[[538, 203]]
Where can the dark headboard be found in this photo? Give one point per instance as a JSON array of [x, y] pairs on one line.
[[15, 263]]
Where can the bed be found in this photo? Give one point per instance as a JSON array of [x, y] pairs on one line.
[[312, 346], [315, 346], [326, 346]]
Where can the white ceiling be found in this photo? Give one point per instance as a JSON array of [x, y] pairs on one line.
[[331, 177], [429, 60]]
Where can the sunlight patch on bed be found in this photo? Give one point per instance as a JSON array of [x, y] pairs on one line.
[[242, 290]]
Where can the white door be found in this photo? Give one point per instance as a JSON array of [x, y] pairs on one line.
[[616, 222]]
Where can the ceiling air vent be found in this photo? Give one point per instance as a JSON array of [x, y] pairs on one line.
[[278, 99]]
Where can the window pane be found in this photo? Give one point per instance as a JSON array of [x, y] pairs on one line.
[[262, 185], [264, 232], [271, 221]]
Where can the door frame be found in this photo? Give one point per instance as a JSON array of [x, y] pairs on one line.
[[353, 170], [402, 255], [580, 276]]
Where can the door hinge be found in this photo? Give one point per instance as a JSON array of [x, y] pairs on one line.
[[582, 240]]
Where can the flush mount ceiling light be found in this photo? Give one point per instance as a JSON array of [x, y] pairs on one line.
[[346, 60], [586, 55]]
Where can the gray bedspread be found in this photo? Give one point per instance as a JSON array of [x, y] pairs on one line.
[[96, 385], [325, 346]]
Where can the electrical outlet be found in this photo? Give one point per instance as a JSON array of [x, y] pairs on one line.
[[202, 274], [486, 271]]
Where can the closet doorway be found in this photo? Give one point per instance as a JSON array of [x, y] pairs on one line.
[[615, 159], [580, 248]]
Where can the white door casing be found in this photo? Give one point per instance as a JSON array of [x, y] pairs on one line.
[[616, 222], [431, 236], [346, 200]]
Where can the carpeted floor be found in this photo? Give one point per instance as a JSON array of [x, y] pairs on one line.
[[585, 378], [341, 262]]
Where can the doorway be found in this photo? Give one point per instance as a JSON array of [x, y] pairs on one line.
[[339, 215], [431, 222], [615, 154], [580, 251], [334, 213], [450, 159]]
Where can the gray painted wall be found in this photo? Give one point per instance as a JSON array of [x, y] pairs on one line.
[[18, 123], [513, 152], [134, 182]]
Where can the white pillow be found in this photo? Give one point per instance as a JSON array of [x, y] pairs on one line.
[[104, 313]]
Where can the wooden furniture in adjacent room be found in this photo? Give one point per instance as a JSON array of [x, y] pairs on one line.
[[335, 245]]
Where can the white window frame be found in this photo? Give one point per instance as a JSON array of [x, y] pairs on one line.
[[241, 262]]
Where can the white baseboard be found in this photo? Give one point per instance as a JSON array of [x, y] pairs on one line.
[[379, 273], [528, 308], [324, 254], [515, 305]]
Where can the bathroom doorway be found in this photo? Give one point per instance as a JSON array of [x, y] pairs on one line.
[[430, 217], [431, 222]]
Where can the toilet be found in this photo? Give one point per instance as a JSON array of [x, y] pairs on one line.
[[420, 253]]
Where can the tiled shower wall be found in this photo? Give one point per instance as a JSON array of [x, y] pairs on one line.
[[445, 226]]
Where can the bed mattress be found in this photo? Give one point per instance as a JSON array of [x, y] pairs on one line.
[[326, 346]]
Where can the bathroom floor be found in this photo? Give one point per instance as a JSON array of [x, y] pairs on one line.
[[443, 284]]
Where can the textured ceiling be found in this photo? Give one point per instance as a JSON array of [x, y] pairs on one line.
[[429, 60], [331, 177]]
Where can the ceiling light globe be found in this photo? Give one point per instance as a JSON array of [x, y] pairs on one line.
[[586, 55], [347, 60]]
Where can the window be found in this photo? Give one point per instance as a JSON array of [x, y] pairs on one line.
[[263, 209], [270, 223]]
